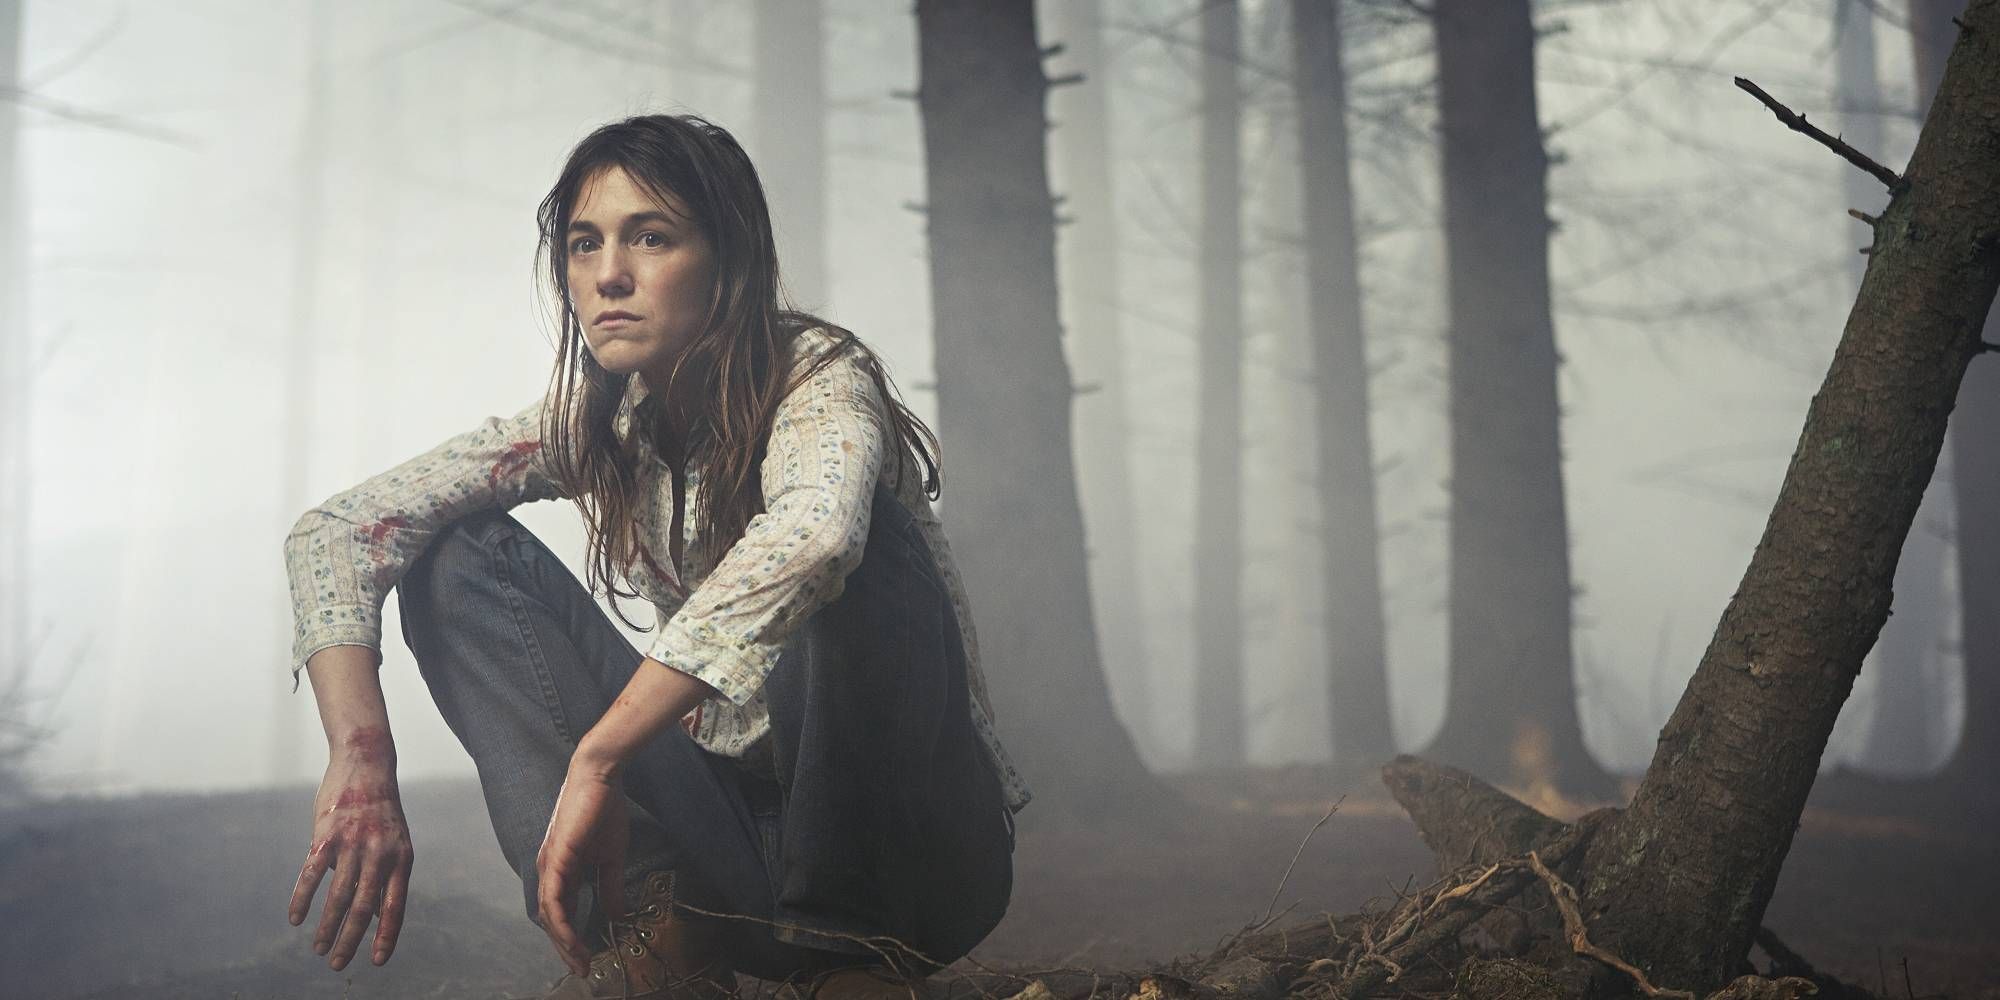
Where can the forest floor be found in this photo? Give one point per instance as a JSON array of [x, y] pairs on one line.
[[183, 896]]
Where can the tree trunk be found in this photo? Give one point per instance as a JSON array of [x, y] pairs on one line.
[[790, 121], [1678, 884], [1510, 712], [1975, 464], [290, 716], [1090, 278], [1218, 510], [1356, 653], [1004, 398], [1905, 720], [17, 353]]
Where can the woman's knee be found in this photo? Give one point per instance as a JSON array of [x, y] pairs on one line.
[[458, 561]]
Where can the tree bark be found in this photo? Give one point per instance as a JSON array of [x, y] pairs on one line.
[[1091, 282], [1975, 463], [1903, 727], [1356, 650], [789, 115], [17, 352], [1004, 399], [1510, 712], [1678, 884], [1219, 737]]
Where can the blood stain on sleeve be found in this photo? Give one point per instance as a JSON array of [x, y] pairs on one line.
[[511, 462]]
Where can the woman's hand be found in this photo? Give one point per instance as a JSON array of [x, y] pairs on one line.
[[589, 829], [360, 834]]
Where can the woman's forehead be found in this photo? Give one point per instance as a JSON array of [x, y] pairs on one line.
[[610, 193]]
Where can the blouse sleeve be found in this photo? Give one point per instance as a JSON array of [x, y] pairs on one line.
[[343, 555], [819, 470]]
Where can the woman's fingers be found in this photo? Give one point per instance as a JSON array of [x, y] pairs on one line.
[[393, 899], [338, 896], [367, 900], [318, 859], [552, 890]]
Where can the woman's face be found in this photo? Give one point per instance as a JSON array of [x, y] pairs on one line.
[[639, 276]]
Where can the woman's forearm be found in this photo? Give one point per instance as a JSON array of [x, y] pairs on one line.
[[347, 685], [657, 696]]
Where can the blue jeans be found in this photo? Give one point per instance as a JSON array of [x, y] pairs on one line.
[[884, 829]]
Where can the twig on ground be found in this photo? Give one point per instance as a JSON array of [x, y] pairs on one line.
[[1797, 123], [1296, 855]]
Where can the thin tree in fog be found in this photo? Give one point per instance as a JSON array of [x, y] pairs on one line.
[[1975, 462], [1005, 398], [1219, 737], [1905, 722], [288, 717], [1356, 646], [1090, 282], [16, 360], [1678, 882], [1510, 706], [788, 119]]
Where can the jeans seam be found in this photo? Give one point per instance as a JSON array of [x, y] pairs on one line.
[[537, 662]]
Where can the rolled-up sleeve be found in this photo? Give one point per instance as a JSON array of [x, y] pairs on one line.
[[343, 556], [818, 476]]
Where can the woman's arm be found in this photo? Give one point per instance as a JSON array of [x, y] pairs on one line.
[[344, 555], [821, 461], [358, 827]]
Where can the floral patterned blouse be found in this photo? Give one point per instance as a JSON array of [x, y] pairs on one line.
[[730, 621]]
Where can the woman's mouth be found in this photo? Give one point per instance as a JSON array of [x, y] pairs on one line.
[[612, 316]]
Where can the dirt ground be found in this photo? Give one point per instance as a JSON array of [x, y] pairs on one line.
[[184, 896]]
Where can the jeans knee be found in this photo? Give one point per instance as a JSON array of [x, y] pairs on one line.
[[462, 552]]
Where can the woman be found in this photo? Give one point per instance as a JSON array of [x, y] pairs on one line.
[[799, 779]]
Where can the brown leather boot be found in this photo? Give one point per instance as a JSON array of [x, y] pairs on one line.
[[865, 982], [654, 955]]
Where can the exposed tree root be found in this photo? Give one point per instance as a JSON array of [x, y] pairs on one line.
[[1501, 859]]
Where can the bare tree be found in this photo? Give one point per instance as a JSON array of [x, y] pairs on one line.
[[288, 713], [1357, 657], [1218, 506], [1004, 400], [789, 118], [1510, 711], [19, 734], [1678, 883], [1090, 282], [16, 358], [1968, 774]]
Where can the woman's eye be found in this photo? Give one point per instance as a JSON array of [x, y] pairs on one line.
[[651, 240], [582, 244]]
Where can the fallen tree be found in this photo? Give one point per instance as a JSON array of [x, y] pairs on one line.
[[1665, 897]]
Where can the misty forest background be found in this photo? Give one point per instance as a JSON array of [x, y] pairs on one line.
[[1331, 379], [271, 249]]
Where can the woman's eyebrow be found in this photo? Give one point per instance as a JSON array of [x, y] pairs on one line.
[[636, 219]]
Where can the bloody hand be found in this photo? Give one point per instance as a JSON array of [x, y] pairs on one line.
[[360, 835]]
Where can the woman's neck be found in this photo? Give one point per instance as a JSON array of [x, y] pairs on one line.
[[682, 405]]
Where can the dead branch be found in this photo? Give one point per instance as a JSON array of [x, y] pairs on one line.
[[1462, 819], [1797, 123]]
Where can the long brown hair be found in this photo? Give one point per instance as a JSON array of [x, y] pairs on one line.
[[739, 364]]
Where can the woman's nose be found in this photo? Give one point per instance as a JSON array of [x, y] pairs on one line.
[[614, 279]]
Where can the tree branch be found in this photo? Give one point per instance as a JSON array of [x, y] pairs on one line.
[[1797, 123]]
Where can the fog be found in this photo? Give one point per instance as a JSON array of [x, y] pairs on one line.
[[208, 182]]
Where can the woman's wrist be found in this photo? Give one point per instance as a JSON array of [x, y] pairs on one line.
[[597, 758]]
